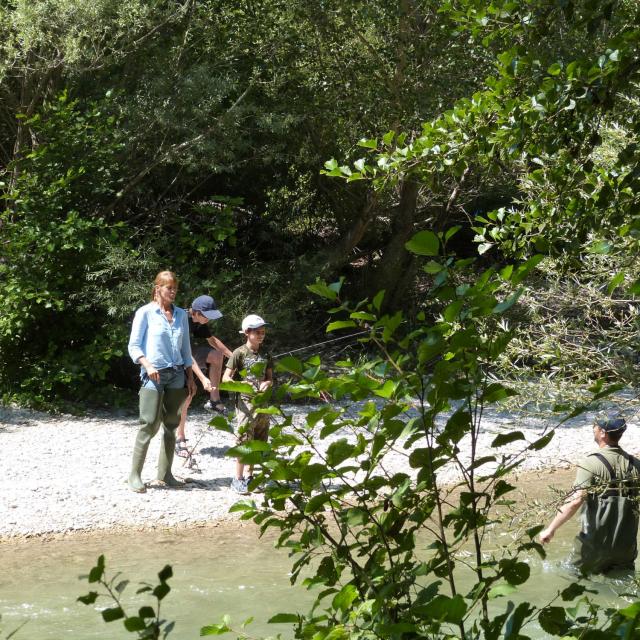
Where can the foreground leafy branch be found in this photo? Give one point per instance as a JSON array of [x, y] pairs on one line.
[[147, 624]]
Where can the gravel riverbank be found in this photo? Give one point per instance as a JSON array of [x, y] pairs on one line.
[[66, 474]]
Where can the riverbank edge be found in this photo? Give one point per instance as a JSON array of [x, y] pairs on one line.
[[550, 477]]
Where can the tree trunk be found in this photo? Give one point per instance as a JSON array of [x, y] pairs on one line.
[[341, 254], [396, 269]]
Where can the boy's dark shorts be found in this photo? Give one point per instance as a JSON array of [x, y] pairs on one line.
[[200, 355], [249, 425]]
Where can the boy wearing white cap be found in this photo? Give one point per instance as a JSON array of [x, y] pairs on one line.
[[257, 369]]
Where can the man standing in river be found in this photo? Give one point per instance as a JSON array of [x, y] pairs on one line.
[[607, 486]]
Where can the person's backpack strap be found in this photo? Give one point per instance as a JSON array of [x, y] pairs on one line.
[[611, 471], [607, 464]]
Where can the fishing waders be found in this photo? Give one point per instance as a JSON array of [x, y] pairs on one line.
[[150, 415], [155, 408], [172, 403]]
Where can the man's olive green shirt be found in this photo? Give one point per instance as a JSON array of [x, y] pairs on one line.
[[595, 477]]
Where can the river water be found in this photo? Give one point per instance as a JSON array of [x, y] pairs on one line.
[[217, 570]]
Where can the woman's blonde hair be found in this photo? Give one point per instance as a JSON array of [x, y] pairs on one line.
[[163, 278]]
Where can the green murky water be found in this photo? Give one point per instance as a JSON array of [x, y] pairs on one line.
[[218, 570]]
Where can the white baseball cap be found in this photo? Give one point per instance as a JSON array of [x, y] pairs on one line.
[[253, 321]]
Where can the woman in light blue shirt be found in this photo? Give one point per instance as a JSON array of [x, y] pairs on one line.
[[159, 343]]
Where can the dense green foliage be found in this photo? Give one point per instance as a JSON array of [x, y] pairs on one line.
[[189, 135]]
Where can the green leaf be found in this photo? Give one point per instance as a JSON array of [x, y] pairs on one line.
[[280, 618], [523, 270], [446, 609], [502, 487], [386, 390], [241, 506], [321, 289], [237, 387], [632, 611], [542, 442], [90, 598], [496, 392], [508, 303], [553, 620], [368, 144], [601, 247], [134, 623], [165, 573], [339, 451], [316, 503], [313, 473], [506, 438], [161, 591], [214, 630], [146, 612], [432, 267], [345, 597], [363, 315], [424, 243], [615, 282], [341, 324], [451, 311], [501, 590], [514, 572], [115, 613], [96, 573], [573, 591], [290, 365], [451, 231], [377, 300], [555, 69]]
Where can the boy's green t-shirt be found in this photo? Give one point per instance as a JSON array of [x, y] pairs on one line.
[[254, 363]]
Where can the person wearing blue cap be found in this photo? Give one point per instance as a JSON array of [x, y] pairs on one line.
[[208, 356], [607, 487]]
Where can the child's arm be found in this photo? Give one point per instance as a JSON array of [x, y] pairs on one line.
[[206, 383], [268, 379], [216, 343], [228, 375]]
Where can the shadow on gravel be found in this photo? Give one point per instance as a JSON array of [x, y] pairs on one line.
[[214, 452], [210, 484]]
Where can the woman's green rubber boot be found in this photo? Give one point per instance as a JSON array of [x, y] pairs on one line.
[[150, 404], [172, 408]]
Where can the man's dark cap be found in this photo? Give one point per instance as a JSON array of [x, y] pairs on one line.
[[611, 423], [206, 305]]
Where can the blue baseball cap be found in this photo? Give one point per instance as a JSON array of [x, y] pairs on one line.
[[611, 423], [206, 305]]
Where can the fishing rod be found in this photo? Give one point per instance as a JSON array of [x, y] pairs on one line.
[[319, 344], [190, 460]]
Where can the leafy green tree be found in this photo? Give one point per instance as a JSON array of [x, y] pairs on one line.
[[51, 235]]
